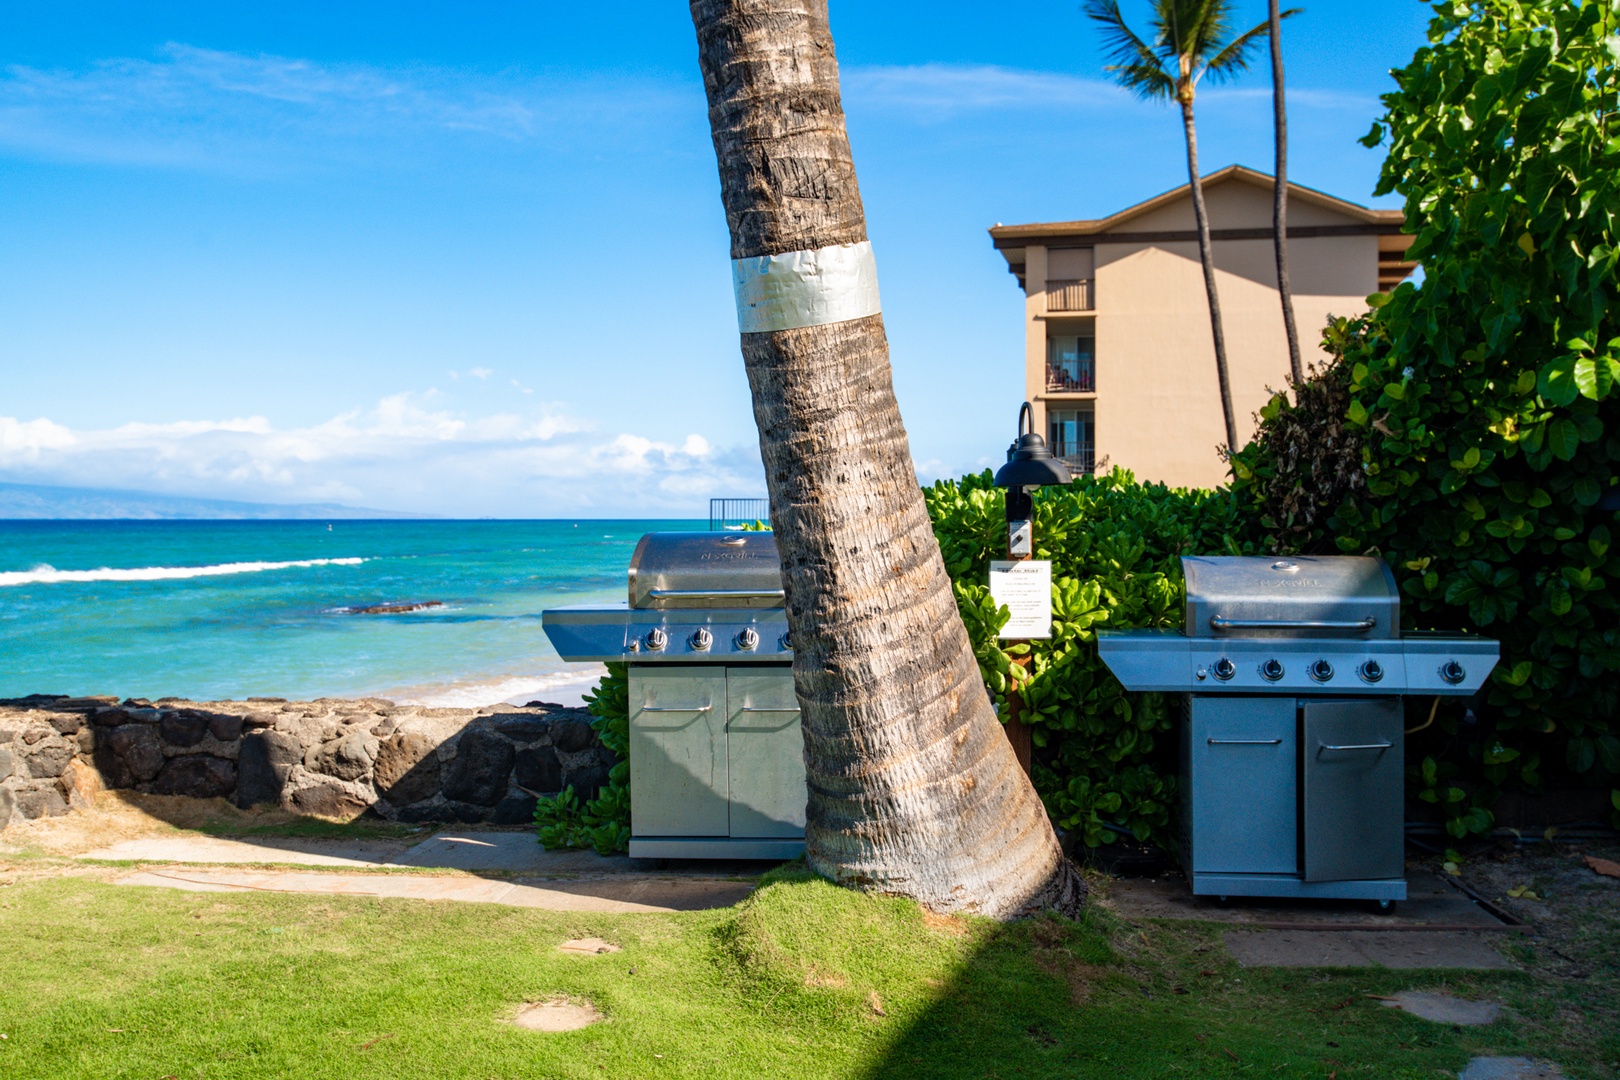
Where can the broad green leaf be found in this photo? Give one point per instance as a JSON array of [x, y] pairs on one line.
[[1563, 438]]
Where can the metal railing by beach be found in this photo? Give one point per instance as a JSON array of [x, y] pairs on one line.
[[726, 513], [1070, 378], [1075, 294]]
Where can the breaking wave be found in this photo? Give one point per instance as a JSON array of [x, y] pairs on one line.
[[50, 575]]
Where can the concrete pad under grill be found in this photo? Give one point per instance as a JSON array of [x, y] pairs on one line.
[[620, 893], [1430, 902], [1363, 948]]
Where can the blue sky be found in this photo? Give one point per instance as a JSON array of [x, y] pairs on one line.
[[470, 259]]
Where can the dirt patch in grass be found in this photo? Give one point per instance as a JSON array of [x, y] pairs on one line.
[[558, 1014]]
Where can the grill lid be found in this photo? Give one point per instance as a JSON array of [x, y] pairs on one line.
[[706, 570], [1300, 596]]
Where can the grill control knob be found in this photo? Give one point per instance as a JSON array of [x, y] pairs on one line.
[[785, 643], [747, 638], [1224, 669], [656, 639], [1321, 671], [1271, 670], [1371, 670], [701, 639], [1452, 672]]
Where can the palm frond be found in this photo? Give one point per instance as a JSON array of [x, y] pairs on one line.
[[1234, 58], [1146, 81], [1135, 66]]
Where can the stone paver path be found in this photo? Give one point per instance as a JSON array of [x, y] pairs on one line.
[[1364, 948], [1511, 1068], [1444, 1008], [608, 893]]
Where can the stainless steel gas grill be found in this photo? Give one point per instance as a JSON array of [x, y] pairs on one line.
[[716, 754], [1290, 674]]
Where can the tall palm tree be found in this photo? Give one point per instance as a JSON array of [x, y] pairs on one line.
[[1279, 203], [913, 786], [1192, 40]]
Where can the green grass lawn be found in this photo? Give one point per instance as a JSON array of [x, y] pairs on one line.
[[802, 980]]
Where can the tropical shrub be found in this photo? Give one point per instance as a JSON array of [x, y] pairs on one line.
[[1103, 761], [603, 823], [1484, 400]]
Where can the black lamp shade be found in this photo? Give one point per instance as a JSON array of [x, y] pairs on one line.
[[1029, 462]]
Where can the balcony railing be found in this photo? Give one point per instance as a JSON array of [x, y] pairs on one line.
[[1070, 377], [1081, 462], [1072, 295]]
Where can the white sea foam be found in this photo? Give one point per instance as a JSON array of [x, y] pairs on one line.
[[50, 575], [563, 687]]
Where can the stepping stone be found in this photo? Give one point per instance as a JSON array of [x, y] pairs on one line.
[[592, 945], [1445, 1009], [1363, 948], [556, 1016], [1510, 1068]]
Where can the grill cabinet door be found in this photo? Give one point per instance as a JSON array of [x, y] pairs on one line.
[[1352, 793], [1242, 792], [677, 750], [766, 748]]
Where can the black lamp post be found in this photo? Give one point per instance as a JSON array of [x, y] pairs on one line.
[[1029, 465]]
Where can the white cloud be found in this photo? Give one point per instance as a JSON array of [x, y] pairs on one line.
[[202, 108], [480, 372], [398, 455]]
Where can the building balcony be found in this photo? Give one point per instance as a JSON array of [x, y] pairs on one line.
[[1070, 377], [1081, 461], [1075, 294]]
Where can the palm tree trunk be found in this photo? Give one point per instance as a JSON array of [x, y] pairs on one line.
[[1206, 254], [1279, 204], [913, 786]]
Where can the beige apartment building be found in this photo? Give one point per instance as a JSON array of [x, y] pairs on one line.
[[1118, 359]]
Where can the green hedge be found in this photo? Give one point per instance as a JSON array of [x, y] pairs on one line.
[[1103, 760], [602, 823]]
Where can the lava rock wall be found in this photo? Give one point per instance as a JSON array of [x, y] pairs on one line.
[[328, 758]]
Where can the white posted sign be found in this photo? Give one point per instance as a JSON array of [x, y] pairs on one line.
[[1025, 588]]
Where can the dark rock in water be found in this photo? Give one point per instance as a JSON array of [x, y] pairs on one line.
[[47, 762], [265, 759], [588, 782], [572, 736], [478, 774], [544, 705], [407, 769], [197, 775], [391, 609], [514, 810], [183, 728], [129, 754], [41, 802], [538, 770]]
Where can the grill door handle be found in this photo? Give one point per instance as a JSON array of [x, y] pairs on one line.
[[1221, 622], [712, 594], [1245, 742], [750, 708], [694, 708], [1359, 746]]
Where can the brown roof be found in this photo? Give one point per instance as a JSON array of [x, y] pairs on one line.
[[1015, 236]]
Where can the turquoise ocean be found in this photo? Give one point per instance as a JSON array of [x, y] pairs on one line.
[[232, 609]]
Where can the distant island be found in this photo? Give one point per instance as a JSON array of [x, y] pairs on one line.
[[42, 502]]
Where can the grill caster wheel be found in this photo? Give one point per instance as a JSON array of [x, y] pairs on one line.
[[1384, 907]]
